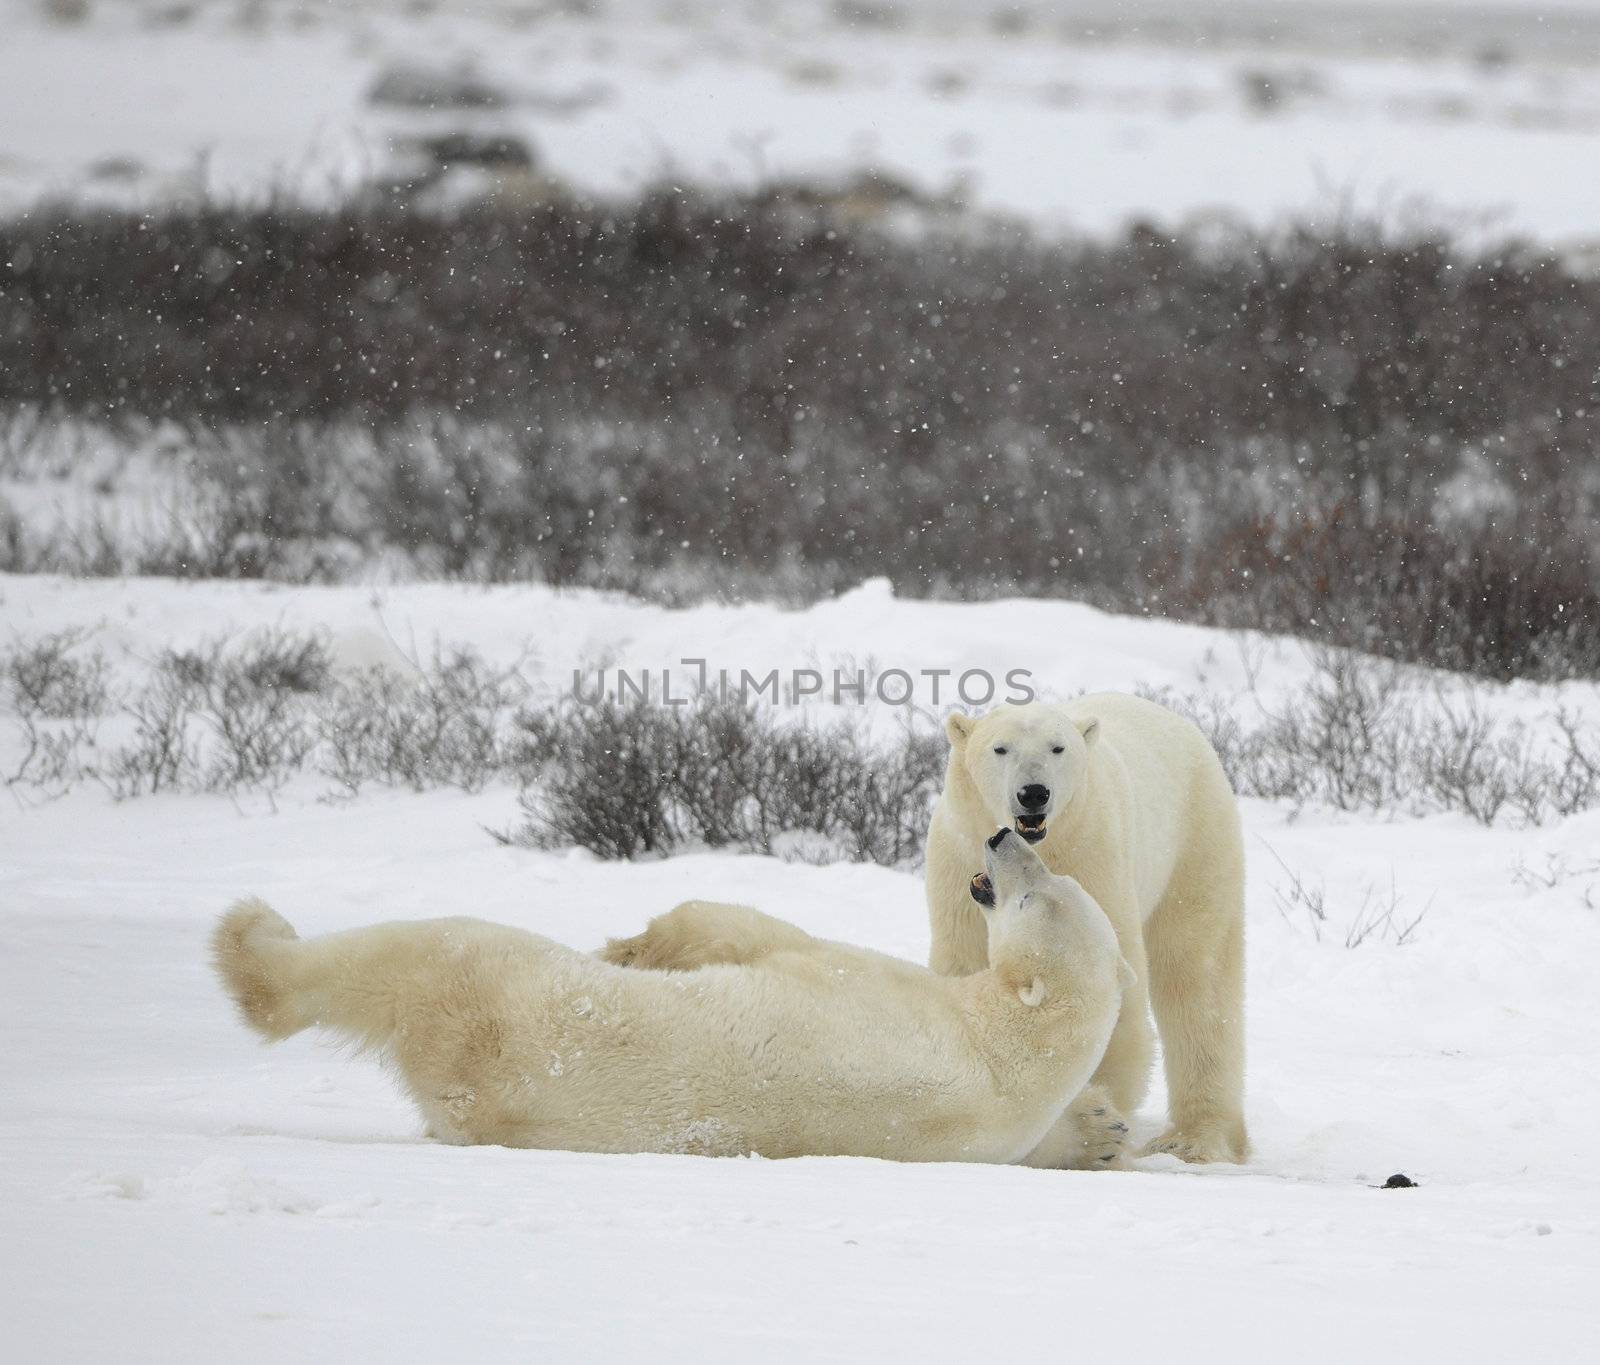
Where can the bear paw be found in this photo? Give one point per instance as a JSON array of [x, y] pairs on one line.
[[1197, 1145], [1090, 1136], [1099, 1131], [628, 952]]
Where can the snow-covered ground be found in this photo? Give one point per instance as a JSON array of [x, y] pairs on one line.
[[171, 1191], [1071, 116]]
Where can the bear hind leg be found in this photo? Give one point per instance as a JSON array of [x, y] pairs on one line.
[[702, 934]]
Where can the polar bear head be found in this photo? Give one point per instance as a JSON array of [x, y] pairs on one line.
[[1046, 933], [1026, 762]]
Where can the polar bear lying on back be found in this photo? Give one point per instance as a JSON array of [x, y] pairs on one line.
[[505, 1037]]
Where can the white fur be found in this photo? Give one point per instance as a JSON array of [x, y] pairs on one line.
[[1142, 815], [783, 1045]]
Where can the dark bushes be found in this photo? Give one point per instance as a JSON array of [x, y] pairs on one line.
[[1347, 345], [687, 395], [1506, 600], [625, 780]]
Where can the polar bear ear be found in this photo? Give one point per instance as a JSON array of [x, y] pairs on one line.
[[1089, 729], [1032, 995], [958, 728]]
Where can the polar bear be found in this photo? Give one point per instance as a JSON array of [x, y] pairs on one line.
[[1132, 800], [801, 1048]]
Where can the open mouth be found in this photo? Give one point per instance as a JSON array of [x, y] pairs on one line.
[[1031, 827], [982, 889]]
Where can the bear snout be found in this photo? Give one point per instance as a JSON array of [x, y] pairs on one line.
[[1034, 797]]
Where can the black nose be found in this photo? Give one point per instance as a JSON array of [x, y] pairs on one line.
[[1035, 796], [997, 836]]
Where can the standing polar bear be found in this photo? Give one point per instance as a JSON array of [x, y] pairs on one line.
[[1131, 800]]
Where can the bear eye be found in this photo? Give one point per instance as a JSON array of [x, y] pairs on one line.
[[999, 748], [1059, 749]]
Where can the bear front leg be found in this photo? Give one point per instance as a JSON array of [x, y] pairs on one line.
[[1124, 1071], [1196, 946], [958, 934]]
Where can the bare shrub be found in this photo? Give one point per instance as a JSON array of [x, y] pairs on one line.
[[714, 755], [249, 699], [1559, 869], [1380, 918], [163, 753], [1577, 786], [54, 678], [1361, 736], [442, 727], [865, 800], [1297, 898], [225, 716], [52, 753], [262, 734], [279, 661], [1467, 761], [887, 822], [271, 660], [1337, 741], [58, 690], [611, 783], [221, 718], [625, 780]]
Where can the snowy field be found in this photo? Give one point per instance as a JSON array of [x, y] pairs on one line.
[[1074, 116], [171, 1191]]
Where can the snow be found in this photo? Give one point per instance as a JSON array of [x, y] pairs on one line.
[[173, 1191], [1090, 117]]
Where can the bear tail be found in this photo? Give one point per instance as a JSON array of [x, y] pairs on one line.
[[252, 949]]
